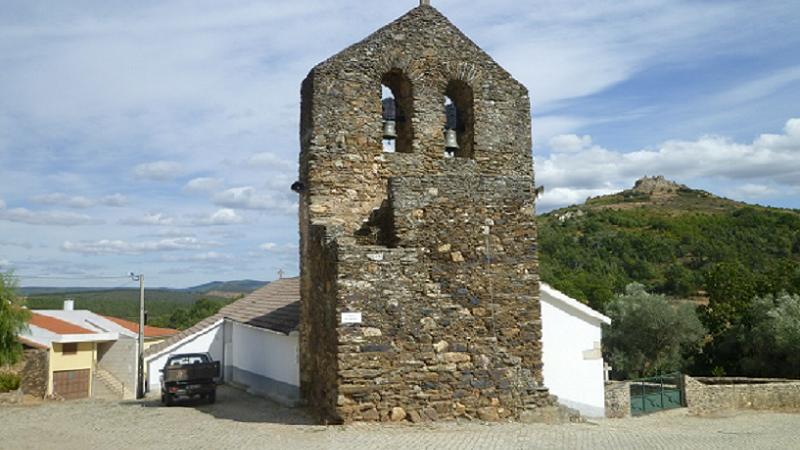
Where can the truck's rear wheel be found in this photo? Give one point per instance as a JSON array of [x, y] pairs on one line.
[[168, 400], [212, 397]]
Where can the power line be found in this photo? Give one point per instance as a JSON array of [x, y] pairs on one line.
[[50, 277]]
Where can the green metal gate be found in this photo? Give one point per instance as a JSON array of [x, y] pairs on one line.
[[659, 393]]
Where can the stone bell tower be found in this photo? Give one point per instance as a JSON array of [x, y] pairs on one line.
[[419, 270]]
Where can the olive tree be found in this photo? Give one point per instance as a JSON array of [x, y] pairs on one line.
[[770, 339], [13, 320], [649, 334]]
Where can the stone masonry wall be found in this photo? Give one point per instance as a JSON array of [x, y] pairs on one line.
[[438, 254], [342, 162], [711, 396], [33, 371], [618, 399], [319, 323]]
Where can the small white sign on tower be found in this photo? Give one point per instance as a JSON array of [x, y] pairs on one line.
[[351, 318]]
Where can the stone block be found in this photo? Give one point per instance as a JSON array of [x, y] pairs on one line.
[[397, 414]]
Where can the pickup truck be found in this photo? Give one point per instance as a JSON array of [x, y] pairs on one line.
[[189, 375]]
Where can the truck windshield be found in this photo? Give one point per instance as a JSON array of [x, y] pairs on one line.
[[187, 359]]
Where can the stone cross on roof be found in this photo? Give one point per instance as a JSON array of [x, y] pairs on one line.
[[424, 2]]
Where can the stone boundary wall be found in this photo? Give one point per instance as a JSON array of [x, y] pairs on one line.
[[711, 395], [33, 371], [618, 399]]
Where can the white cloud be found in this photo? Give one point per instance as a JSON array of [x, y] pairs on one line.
[[225, 216], [752, 191], [771, 159], [159, 170], [61, 199], [24, 215], [173, 232], [79, 201], [2, 204], [563, 196], [115, 200], [211, 257], [272, 247], [203, 184], [114, 86], [569, 143], [271, 161], [153, 218], [759, 88], [22, 244], [4, 263], [106, 246], [248, 198]]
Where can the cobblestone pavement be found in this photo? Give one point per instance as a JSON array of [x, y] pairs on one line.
[[241, 421]]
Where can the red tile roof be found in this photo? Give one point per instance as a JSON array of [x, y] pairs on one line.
[[150, 332], [56, 325]]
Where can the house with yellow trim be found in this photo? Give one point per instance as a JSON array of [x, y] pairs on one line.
[[88, 354], [72, 353]]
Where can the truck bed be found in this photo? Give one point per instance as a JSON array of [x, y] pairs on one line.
[[191, 372]]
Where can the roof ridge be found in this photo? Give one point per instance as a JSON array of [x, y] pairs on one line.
[[55, 324], [253, 309]]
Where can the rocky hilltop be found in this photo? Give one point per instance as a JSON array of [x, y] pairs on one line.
[[656, 190], [668, 237], [658, 185]]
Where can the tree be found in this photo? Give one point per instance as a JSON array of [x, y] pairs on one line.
[[770, 337], [183, 318], [649, 335], [13, 320], [731, 287]]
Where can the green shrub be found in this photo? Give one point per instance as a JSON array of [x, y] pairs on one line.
[[9, 382]]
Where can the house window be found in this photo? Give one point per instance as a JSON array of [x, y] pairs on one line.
[[69, 349], [397, 111], [459, 111]]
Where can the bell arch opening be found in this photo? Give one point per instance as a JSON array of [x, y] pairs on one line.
[[397, 107], [459, 130]]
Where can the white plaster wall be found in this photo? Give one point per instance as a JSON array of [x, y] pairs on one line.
[[566, 335], [266, 353], [209, 340]]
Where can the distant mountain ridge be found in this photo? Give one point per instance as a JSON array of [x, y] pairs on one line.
[[235, 286], [670, 238], [238, 286]]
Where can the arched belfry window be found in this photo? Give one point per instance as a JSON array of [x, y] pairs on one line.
[[398, 109], [459, 133]]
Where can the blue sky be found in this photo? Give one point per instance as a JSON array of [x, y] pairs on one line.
[[161, 137]]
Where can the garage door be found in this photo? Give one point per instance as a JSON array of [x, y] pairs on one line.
[[71, 384]]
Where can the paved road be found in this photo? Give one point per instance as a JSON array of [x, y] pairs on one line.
[[241, 421]]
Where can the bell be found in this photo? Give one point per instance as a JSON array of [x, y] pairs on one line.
[[451, 140], [389, 130]]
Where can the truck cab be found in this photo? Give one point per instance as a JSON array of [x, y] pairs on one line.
[[190, 375]]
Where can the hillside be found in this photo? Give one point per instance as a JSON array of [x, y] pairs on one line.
[[671, 238], [165, 307]]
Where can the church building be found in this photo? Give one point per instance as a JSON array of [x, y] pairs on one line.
[[419, 272]]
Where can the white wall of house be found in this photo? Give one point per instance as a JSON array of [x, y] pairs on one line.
[[573, 364], [209, 340], [265, 362]]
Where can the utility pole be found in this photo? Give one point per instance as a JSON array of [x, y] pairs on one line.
[[140, 359]]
